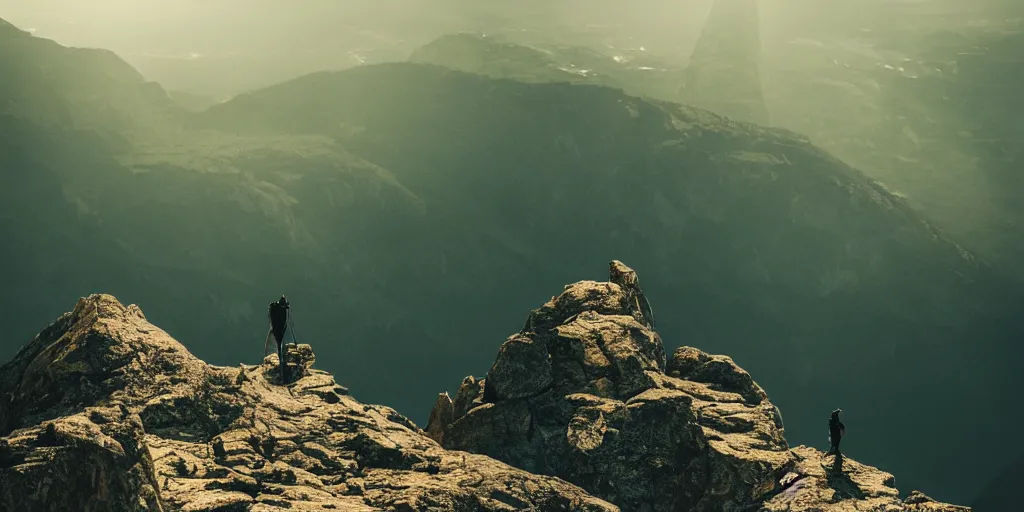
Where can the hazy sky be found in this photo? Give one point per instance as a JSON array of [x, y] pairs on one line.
[[146, 21], [267, 41], [193, 26]]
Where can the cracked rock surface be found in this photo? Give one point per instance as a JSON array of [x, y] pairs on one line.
[[583, 410], [103, 411], [814, 485], [586, 392]]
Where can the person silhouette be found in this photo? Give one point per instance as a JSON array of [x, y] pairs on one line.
[[278, 315], [836, 431]]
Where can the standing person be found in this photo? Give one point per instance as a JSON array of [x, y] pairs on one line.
[[836, 431], [278, 314]]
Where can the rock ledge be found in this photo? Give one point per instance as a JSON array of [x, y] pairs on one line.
[[103, 411]]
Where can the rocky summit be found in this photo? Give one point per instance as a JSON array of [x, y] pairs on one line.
[[585, 392], [102, 411], [581, 411]]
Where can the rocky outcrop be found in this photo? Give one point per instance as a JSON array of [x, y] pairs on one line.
[[586, 392], [102, 411], [812, 486]]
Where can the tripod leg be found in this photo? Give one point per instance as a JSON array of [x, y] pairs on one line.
[[283, 364]]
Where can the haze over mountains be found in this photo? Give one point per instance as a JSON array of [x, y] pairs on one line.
[[410, 210]]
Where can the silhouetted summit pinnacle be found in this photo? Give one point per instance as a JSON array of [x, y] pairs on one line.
[[585, 392]]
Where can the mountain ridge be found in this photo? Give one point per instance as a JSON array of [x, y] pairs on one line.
[[93, 89], [151, 427], [103, 393]]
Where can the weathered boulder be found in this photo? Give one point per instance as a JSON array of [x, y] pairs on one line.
[[522, 369], [105, 412], [718, 372], [93, 461], [604, 408]]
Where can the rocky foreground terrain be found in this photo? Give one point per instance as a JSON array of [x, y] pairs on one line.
[[102, 411]]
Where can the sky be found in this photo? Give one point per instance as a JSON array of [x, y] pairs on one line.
[[270, 41], [223, 46]]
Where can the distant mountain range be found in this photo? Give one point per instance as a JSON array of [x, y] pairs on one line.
[[925, 108], [410, 210]]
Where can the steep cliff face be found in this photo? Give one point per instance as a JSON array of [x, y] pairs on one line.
[[103, 411], [585, 392]]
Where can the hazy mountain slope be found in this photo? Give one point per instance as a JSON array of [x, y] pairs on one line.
[[96, 202], [499, 56], [78, 88], [763, 245], [484, 137], [409, 211], [921, 95], [484, 55], [929, 108]]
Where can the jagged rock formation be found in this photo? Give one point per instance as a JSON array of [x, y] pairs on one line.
[[102, 411], [585, 392], [724, 72]]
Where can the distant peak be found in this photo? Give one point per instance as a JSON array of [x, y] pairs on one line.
[[106, 306]]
